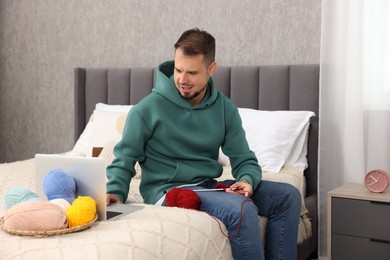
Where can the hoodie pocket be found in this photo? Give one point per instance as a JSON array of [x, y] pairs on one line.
[[195, 171]]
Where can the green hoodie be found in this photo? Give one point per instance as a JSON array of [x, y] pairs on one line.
[[176, 143]]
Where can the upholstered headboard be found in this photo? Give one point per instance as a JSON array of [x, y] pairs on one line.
[[281, 87]]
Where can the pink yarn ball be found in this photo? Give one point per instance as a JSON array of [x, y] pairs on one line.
[[35, 216]]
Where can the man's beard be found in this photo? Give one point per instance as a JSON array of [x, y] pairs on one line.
[[190, 97]]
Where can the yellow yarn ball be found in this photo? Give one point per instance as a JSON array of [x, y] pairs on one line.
[[82, 211]]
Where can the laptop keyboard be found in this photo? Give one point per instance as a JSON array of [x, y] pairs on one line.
[[111, 214]]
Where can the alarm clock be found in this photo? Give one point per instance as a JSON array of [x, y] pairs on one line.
[[377, 180]]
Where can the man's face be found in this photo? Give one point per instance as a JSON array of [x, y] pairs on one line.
[[191, 75]]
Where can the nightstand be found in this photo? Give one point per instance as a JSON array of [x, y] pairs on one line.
[[358, 223]]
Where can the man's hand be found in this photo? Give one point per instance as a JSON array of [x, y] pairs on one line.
[[243, 187], [111, 198]]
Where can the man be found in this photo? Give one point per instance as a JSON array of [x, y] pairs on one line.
[[175, 134]]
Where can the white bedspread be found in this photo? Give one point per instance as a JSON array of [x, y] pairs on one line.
[[151, 233]]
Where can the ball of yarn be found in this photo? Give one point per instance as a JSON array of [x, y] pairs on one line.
[[58, 184], [63, 204], [16, 195], [187, 199], [171, 197], [35, 216], [82, 211]]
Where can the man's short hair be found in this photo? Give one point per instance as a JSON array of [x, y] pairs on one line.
[[195, 41]]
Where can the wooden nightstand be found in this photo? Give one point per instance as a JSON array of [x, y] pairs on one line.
[[358, 223]]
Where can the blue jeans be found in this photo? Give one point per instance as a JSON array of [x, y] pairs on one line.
[[279, 202]]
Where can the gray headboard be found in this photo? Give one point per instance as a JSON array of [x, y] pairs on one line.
[[280, 87]]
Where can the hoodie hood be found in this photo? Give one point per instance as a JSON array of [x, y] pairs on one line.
[[165, 86]]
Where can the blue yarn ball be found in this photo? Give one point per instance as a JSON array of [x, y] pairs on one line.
[[58, 184], [17, 195]]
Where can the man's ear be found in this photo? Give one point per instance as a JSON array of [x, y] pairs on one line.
[[212, 68]]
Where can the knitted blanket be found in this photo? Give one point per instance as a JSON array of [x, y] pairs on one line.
[[151, 233], [154, 232]]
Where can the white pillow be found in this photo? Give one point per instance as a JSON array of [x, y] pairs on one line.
[[298, 156], [83, 144], [107, 126], [276, 137], [113, 108]]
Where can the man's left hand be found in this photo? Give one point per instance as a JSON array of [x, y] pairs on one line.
[[242, 187]]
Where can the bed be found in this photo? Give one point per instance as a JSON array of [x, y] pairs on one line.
[[167, 233]]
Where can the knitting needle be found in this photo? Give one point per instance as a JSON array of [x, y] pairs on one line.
[[220, 189]]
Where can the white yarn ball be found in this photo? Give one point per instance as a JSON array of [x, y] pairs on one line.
[[62, 203]]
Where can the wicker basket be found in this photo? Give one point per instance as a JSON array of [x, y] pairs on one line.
[[46, 233]]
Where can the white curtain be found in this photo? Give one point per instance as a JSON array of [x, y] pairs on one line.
[[354, 95]]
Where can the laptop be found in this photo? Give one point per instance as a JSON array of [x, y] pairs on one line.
[[89, 174]]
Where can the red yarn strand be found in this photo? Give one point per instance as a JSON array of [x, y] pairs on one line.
[[239, 223], [189, 199]]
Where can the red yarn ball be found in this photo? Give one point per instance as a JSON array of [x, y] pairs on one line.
[[171, 197], [187, 199]]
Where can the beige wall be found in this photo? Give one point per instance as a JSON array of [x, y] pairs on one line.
[[41, 41]]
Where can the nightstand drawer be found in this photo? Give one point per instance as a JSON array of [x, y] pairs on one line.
[[356, 248], [362, 218]]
